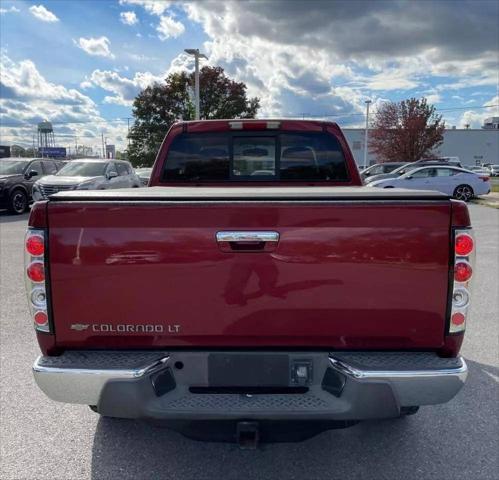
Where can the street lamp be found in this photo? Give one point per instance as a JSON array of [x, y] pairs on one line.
[[366, 135], [197, 56]]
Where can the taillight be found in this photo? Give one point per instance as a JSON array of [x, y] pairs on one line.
[[464, 244], [36, 278], [35, 245], [464, 258], [462, 271], [484, 178]]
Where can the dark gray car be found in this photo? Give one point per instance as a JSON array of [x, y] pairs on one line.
[[17, 176]]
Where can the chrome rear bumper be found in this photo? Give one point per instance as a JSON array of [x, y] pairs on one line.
[[369, 385]]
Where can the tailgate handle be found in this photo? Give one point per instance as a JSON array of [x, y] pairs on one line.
[[247, 241]]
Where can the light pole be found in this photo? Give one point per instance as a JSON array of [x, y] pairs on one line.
[[197, 56], [366, 135]]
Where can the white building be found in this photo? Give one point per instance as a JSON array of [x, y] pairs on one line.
[[473, 146]]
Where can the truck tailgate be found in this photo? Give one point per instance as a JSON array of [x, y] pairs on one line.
[[344, 274]]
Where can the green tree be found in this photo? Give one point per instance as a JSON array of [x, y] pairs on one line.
[[158, 106], [17, 151], [406, 131]]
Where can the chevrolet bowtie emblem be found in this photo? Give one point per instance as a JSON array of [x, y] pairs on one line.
[[79, 327]]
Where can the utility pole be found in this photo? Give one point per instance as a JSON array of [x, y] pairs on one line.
[[103, 150], [128, 135], [76, 145], [366, 135], [197, 56]]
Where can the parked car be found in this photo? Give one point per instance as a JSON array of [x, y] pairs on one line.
[[380, 168], [144, 174], [17, 176], [274, 304], [407, 168], [480, 170], [494, 170], [453, 161], [456, 182], [87, 174]]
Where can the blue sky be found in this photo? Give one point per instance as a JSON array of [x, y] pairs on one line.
[[80, 63]]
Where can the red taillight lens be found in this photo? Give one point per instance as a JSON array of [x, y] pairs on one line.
[[35, 245], [458, 319], [41, 318], [485, 179], [36, 272], [464, 245], [462, 272]]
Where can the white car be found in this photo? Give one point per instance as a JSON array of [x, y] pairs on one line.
[[457, 182], [87, 174], [480, 170], [494, 170]]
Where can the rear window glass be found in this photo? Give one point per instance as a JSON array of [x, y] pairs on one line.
[[194, 157], [312, 157], [198, 157], [254, 156]]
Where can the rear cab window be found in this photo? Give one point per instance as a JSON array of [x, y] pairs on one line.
[[255, 156]]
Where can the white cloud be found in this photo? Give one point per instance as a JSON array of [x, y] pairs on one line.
[[169, 28], [40, 12], [95, 46], [12, 9], [310, 49], [124, 89], [475, 118], [433, 98], [154, 7], [28, 98], [129, 18]]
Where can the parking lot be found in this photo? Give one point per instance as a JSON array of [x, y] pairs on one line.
[[41, 439]]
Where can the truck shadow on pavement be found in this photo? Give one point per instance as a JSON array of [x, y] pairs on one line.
[[455, 440]]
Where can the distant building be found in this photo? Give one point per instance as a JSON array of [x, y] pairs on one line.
[[110, 151], [491, 123], [4, 151], [472, 146]]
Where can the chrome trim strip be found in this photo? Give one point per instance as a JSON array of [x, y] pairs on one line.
[[357, 373], [242, 236]]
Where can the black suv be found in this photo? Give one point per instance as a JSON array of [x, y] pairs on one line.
[[17, 176]]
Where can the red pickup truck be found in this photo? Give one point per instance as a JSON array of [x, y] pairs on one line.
[[256, 286]]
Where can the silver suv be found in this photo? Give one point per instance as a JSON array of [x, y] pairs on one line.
[[87, 174]]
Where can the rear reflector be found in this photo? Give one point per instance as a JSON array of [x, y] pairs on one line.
[[458, 319], [41, 318]]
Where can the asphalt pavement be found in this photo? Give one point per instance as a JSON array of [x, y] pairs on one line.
[[41, 439]]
